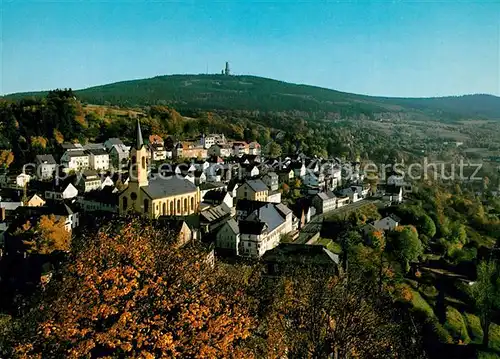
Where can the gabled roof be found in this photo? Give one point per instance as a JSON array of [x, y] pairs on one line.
[[215, 213], [97, 151], [214, 196], [394, 217], [268, 214], [257, 185], [46, 159], [76, 153], [283, 209], [115, 141], [324, 196], [167, 187], [234, 226]]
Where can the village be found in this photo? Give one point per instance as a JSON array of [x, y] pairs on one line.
[[226, 194]]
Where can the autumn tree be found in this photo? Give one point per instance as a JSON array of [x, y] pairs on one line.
[[316, 315], [45, 236], [6, 158], [127, 291]]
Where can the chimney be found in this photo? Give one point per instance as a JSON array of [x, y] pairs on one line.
[[2, 214]]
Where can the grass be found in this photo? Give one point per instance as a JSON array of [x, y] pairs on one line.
[[419, 303], [332, 246], [456, 326], [474, 328]]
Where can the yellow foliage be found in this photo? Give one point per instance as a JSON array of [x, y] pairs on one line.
[[39, 141]]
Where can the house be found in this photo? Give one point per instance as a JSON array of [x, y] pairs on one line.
[[255, 190], [156, 140], [212, 139], [75, 160], [324, 202], [22, 179], [262, 229], [228, 237], [368, 228], [342, 201], [199, 177], [45, 166], [94, 146], [393, 193], [98, 159], [212, 218], [274, 196], [178, 228], [249, 170], [271, 179], [189, 150], [388, 223], [158, 196], [299, 169], [35, 201], [285, 175], [111, 142], [286, 257], [254, 148], [314, 180], [158, 151], [217, 197], [304, 211], [350, 192], [119, 156], [239, 149], [220, 151], [107, 181], [105, 200], [88, 181], [65, 190], [202, 165]]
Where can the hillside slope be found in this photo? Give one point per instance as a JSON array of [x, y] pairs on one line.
[[257, 93]]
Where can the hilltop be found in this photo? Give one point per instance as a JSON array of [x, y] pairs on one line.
[[252, 93]]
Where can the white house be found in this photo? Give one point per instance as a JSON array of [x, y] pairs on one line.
[[98, 159], [45, 166], [74, 160], [212, 139], [89, 181], [271, 179], [66, 192], [299, 169], [388, 223], [393, 193], [22, 179], [263, 228], [107, 181], [220, 151]]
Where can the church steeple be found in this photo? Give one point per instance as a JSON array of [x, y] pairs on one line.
[[139, 142]]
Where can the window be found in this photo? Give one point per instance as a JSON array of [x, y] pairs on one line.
[[179, 206], [143, 162], [186, 205], [164, 208], [192, 203], [125, 203], [146, 205], [133, 196], [171, 207]]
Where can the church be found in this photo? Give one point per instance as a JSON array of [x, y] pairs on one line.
[[154, 197]]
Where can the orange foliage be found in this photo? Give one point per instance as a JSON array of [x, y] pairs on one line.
[[58, 136], [130, 293], [6, 158], [46, 236], [39, 141]]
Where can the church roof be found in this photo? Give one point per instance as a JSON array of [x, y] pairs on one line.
[[139, 142], [167, 187]]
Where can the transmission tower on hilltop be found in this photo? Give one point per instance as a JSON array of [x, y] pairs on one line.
[[227, 71]]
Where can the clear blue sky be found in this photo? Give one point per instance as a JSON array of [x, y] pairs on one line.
[[393, 48]]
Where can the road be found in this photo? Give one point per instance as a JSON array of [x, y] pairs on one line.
[[313, 227]]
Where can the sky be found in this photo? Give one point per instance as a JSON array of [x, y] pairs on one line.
[[387, 48]]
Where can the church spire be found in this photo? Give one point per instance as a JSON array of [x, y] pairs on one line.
[[140, 142]]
